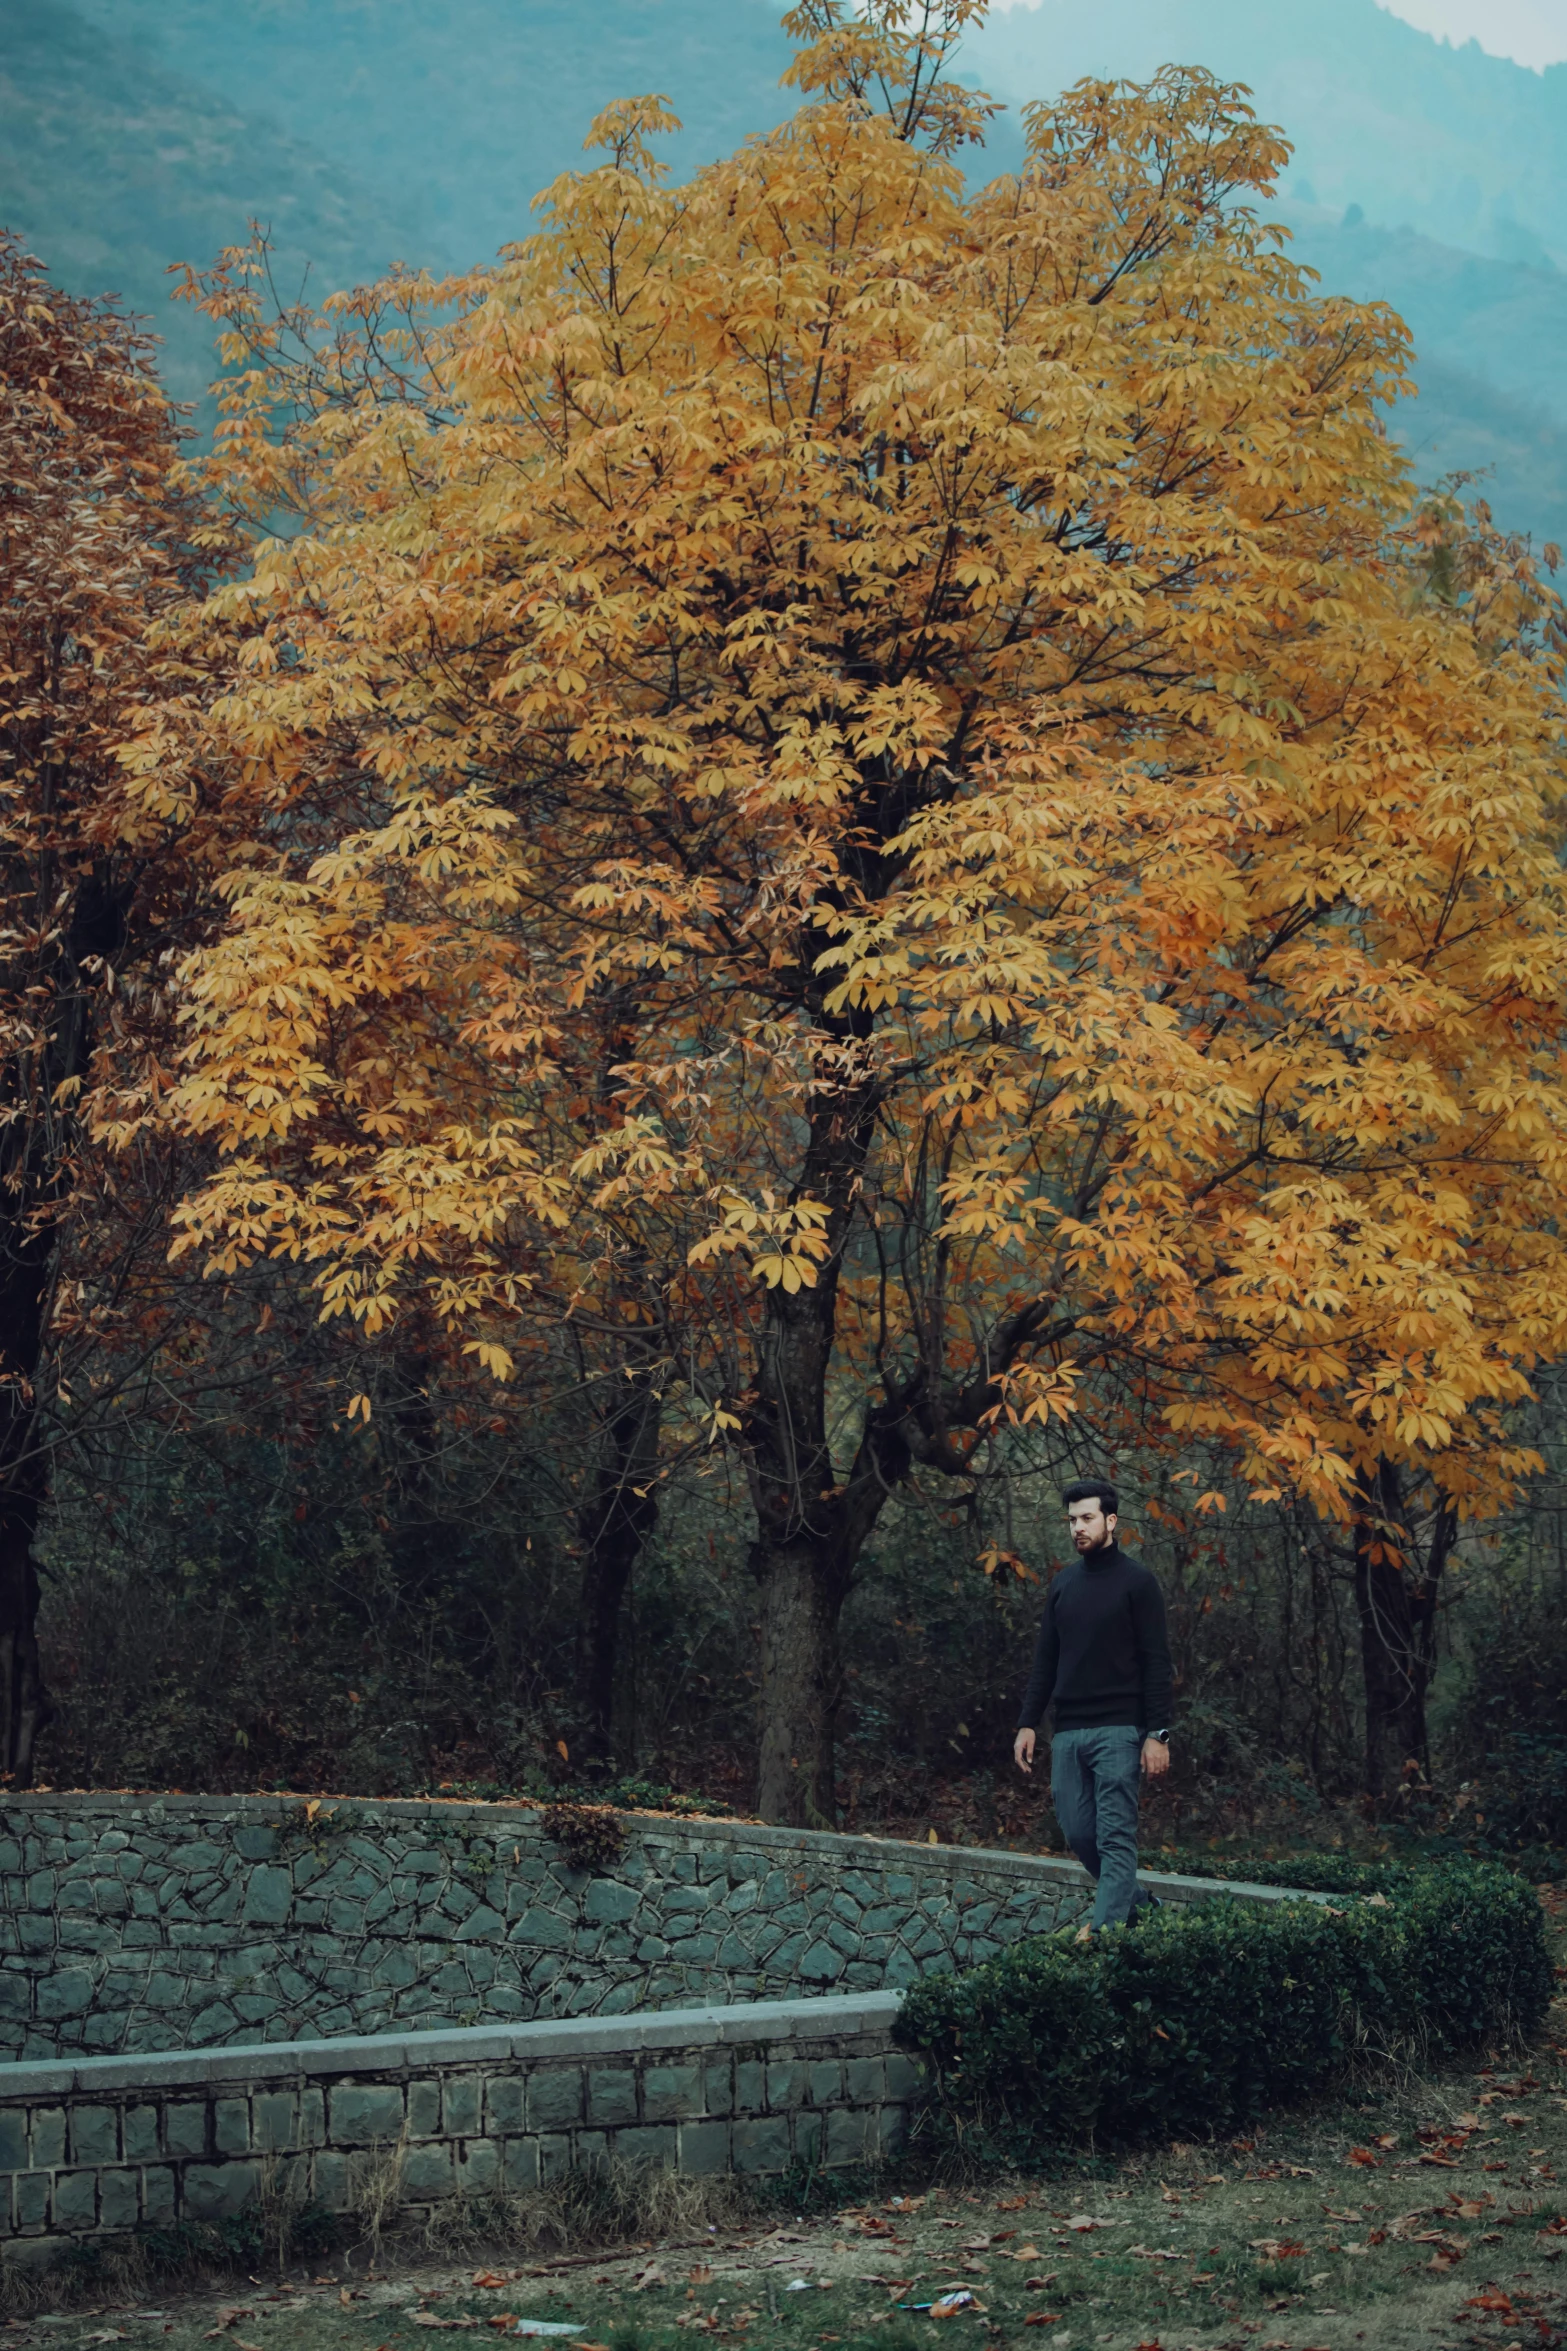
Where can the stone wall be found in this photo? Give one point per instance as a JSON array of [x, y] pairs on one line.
[[167, 1922], [100, 2147], [274, 1955]]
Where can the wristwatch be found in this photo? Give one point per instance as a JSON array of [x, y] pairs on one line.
[[1163, 1737]]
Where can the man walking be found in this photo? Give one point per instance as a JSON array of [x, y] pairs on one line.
[[1103, 1661]]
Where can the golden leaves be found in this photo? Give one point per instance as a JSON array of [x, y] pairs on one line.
[[982, 630], [783, 1244]]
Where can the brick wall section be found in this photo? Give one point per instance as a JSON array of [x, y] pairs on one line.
[[166, 1922], [99, 2147]]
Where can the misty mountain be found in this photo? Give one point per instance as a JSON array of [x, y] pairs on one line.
[[113, 167], [136, 133], [1491, 345], [467, 108], [1466, 148]]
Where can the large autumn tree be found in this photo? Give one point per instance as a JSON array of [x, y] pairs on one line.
[[949, 668], [96, 543]]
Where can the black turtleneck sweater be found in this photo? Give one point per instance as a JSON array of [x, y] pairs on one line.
[[1103, 1655]]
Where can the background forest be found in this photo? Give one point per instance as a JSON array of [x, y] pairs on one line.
[[277, 1550]]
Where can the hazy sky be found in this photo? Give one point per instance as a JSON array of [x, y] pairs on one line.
[[1533, 31]]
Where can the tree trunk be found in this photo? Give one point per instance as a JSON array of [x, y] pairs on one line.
[[809, 1529], [803, 1556], [615, 1525], [418, 1544], [1396, 1596], [35, 1179], [811, 1524], [24, 1704], [802, 1595]]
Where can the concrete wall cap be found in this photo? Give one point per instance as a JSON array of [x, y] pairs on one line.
[[271, 2064], [34, 2084]]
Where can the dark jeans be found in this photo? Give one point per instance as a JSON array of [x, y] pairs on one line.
[[1094, 1782]]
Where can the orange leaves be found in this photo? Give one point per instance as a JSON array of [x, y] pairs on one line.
[[96, 539], [782, 1245], [995, 1558], [893, 756], [1033, 1391]]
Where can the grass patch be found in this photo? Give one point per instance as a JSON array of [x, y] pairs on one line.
[[1389, 2225], [618, 2204]]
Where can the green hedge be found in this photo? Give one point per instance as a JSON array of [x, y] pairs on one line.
[[1201, 2018], [1316, 1873]]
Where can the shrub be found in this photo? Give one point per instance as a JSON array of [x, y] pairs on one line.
[[1520, 1796], [1197, 2020], [592, 1836], [1312, 1873]]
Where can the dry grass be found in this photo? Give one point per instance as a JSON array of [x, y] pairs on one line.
[[378, 2188], [617, 2204]]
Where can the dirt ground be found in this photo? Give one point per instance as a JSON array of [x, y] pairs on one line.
[[1428, 2214]]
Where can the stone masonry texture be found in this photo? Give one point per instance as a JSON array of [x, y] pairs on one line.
[[101, 2147], [166, 1922], [205, 1999]]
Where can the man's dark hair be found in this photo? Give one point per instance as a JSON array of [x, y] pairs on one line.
[[1097, 1490]]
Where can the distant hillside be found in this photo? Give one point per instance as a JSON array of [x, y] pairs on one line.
[[1508, 320], [112, 167], [1467, 148], [1462, 422], [134, 133], [1491, 340], [468, 107]]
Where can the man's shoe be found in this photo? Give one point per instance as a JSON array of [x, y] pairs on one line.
[[1144, 1907]]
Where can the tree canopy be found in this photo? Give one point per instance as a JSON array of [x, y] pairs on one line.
[[888, 789], [98, 543]]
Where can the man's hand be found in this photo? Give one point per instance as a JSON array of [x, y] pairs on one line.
[[1023, 1750], [1156, 1758]]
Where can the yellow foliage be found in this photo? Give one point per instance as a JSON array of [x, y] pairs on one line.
[[908, 746]]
